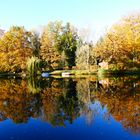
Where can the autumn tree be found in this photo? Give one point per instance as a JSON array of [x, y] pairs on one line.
[[16, 45], [48, 52], [120, 46]]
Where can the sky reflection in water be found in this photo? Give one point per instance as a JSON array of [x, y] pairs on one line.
[[86, 109]]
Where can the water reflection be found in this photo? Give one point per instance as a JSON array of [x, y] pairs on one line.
[[57, 101], [121, 96]]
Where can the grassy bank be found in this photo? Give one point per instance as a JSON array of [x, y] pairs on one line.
[[99, 72], [74, 72], [118, 72]]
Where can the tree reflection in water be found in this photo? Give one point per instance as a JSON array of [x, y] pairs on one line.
[[59, 100], [122, 98]]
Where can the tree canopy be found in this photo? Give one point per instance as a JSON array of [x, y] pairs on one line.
[[59, 44], [60, 47], [121, 44]]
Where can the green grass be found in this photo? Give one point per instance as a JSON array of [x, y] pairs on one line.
[[73, 72]]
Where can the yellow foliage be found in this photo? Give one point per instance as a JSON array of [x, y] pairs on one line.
[[15, 48]]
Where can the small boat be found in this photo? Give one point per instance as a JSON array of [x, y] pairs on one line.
[[65, 74]]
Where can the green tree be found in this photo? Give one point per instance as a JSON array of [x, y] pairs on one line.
[[58, 44], [69, 42]]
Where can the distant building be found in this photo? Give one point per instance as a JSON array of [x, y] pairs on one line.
[[104, 65]]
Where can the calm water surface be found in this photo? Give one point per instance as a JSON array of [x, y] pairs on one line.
[[70, 109]]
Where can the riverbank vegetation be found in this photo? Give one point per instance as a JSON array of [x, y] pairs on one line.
[[61, 47]]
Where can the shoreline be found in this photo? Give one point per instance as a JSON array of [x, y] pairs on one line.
[[100, 72]]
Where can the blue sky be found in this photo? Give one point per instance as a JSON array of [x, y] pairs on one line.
[[95, 14]]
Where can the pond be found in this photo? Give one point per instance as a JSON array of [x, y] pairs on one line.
[[70, 108]]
